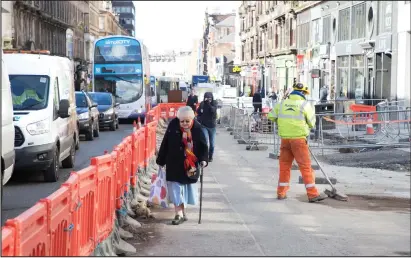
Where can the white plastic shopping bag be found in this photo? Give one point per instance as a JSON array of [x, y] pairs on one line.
[[158, 190]]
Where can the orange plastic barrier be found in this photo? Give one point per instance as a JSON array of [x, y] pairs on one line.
[[87, 212], [105, 195], [72, 184], [358, 108], [7, 241], [60, 224], [81, 213], [32, 238]]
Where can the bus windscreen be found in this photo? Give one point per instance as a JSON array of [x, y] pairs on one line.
[[115, 50]]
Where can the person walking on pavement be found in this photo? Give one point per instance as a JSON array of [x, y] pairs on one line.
[[258, 101], [182, 151], [192, 100], [207, 116], [295, 118]]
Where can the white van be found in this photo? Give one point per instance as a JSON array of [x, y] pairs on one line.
[[45, 117], [7, 127]]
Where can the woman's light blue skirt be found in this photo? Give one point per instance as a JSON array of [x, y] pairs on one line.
[[182, 194]]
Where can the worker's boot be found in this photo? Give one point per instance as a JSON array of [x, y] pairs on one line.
[[318, 198], [279, 197]]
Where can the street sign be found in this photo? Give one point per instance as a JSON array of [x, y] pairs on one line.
[[234, 69]]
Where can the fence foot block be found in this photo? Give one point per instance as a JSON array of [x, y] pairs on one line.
[[319, 180], [124, 234], [241, 141], [124, 248], [295, 167], [256, 147], [273, 155], [229, 129], [236, 137]]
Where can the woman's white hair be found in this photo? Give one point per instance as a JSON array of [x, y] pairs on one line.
[[185, 111]]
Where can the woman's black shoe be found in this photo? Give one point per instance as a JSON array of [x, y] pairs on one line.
[[177, 220]]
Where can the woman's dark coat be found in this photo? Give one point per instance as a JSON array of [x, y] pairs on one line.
[[172, 153]]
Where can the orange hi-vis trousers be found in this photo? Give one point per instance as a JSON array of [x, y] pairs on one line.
[[296, 149]]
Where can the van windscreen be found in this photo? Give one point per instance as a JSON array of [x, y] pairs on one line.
[[29, 92]]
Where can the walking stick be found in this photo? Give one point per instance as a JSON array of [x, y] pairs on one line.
[[201, 195]]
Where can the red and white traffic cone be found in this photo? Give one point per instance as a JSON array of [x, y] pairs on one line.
[[370, 128]]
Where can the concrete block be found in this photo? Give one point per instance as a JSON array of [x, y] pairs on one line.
[[241, 141], [319, 180], [229, 129], [236, 137], [125, 248], [256, 147], [124, 234], [273, 155]]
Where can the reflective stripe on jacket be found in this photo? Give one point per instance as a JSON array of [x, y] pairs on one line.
[[294, 117]]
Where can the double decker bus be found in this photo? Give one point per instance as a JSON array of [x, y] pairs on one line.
[[121, 66]]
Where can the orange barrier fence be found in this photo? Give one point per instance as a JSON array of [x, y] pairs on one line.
[[73, 220]]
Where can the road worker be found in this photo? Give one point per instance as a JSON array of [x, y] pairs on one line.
[[295, 117]]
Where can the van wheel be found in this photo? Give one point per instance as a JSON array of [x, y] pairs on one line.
[[89, 134], [117, 123], [70, 160], [51, 174], [96, 131]]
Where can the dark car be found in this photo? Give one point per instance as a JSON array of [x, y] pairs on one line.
[[87, 113], [107, 108]]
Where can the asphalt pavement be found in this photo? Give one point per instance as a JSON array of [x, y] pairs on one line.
[[242, 217], [19, 195]]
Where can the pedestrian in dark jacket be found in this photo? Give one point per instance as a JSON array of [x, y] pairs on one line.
[[182, 151], [207, 116], [192, 101], [258, 101]]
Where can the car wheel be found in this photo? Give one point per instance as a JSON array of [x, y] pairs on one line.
[[117, 123], [78, 140], [113, 125], [89, 134], [51, 174], [70, 160], [96, 131]]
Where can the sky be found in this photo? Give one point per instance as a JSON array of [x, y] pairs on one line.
[[173, 25]]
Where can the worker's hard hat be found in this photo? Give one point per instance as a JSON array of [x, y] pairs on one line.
[[301, 87]]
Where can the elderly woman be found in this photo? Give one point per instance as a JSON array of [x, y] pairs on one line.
[[183, 150]]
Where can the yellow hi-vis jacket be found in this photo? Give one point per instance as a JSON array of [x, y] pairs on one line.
[[27, 94], [294, 117]]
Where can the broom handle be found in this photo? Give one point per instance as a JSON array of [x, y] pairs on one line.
[[321, 168]]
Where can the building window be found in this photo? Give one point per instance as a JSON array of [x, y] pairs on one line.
[[357, 77], [316, 32], [304, 35], [344, 25], [385, 17], [292, 32], [242, 51], [101, 23], [342, 75], [277, 30], [358, 21], [326, 30], [252, 50]]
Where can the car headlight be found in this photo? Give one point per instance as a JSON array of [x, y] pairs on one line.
[[108, 112], [83, 116], [40, 127]]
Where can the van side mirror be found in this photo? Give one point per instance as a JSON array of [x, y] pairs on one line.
[[64, 107], [94, 105]]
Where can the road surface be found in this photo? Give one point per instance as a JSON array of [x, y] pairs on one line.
[[242, 217], [19, 196]]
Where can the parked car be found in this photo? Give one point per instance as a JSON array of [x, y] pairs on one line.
[[87, 113], [107, 108]]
